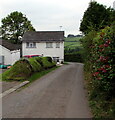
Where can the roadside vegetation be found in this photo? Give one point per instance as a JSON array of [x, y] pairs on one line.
[[37, 75], [25, 68], [99, 51], [100, 71], [72, 49]]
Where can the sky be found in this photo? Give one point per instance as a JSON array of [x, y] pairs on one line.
[[49, 15]]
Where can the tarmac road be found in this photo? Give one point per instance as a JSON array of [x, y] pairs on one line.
[[59, 94]]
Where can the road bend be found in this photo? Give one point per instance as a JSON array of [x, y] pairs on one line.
[[59, 94]]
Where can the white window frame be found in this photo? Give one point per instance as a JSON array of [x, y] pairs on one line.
[[30, 45], [49, 45], [57, 44]]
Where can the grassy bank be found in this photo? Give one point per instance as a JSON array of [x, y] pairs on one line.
[[25, 68]]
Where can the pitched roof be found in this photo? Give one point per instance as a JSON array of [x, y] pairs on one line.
[[42, 36], [9, 45]]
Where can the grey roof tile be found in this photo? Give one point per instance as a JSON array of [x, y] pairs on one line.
[[9, 45], [42, 36]]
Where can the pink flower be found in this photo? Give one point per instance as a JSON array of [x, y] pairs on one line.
[[103, 59], [106, 45], [107, 66], [100, 69], [108, 41], [104, 71], [95, 74]]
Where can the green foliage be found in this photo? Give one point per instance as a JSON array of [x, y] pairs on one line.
[[37, 75], [72, 43], [14, 26], [72, 39], [24, 68], [87, 42], [103, 53], [19, 71], [100, 50], [72, 48], [96, 17], [49, 59], [47, 64], [73, 57], [35, 65]]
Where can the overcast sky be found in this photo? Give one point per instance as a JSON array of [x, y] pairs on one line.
[[49, 15]]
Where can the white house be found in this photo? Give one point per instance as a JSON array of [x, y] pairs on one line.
[[9, 54], [45, 43]]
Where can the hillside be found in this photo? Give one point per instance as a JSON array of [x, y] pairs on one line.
[[72, 42]]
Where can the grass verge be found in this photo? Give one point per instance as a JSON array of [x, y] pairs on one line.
[[100, 107], [66, 63], [38, 75]]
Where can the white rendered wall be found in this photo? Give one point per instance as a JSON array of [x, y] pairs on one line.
[[15, 56], [10, 57], [7, 55], [41, 49]]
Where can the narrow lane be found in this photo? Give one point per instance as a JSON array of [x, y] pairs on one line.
[[59, 94]]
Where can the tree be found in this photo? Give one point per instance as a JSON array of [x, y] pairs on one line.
[[14, 26], [70, 35], [95, 17]]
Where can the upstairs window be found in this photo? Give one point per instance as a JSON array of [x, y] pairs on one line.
[[57, 45], [49, 45], [31, 45]]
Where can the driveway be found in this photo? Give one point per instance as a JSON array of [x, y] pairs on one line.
[[59, 94]]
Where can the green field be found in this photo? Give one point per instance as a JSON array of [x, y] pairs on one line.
[[72, 42], [72, 38]]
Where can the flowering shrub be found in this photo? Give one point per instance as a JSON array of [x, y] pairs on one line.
[[99, 52], [102, 60]]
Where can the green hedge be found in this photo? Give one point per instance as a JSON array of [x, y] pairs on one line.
[[73, 57], [36, 66], [47, 63], [19, 71], [24, 68], [99, 49]]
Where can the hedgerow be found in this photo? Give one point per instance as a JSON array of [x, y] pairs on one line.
[[100, 54], [19, 71], [35, 65], [73, 57], [24, 68]]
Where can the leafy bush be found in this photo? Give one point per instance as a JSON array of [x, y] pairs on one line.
[[49, 59], [102, 59], [35, 64], [19, 71], [46, 64], [73, 57], [100, 50], [23, 68]]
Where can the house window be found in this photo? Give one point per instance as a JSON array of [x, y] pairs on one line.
[[31, 45], [57, 45], [49, 45]]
